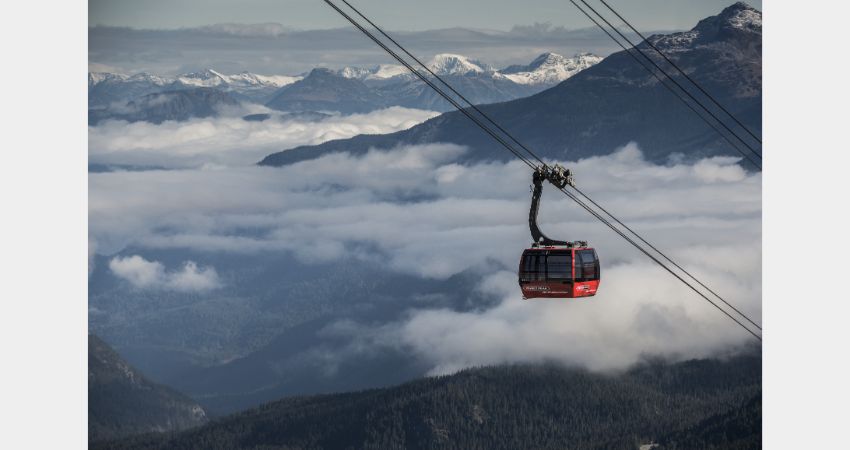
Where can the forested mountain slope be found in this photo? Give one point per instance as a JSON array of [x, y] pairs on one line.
[[123, 402], [510, 407]]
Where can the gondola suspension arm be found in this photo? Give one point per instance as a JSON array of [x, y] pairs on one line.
[[558, 176]]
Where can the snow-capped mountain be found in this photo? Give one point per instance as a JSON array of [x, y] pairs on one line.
[[379, 72], [348, 90], [609, 104], [212, 78], [550, 68], [109, 88], [547, 69], [96, 78], [99, 77], [444, 64], [451, 64]]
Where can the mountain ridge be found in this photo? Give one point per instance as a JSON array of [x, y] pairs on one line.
[[607, 105], [122, 401], [176, 105], [324, 89]]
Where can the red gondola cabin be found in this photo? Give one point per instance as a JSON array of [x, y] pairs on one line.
[[551, 268], [558, 271]]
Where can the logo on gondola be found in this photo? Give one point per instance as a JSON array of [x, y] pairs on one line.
[[537, 288]]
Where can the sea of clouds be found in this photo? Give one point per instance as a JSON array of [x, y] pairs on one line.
[[230, 140], [415, 211]]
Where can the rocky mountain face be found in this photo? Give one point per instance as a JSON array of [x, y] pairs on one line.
[[123, 402], [157, 107], [609, 104]]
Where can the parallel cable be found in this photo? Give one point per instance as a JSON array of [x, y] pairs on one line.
[[499, 127], [429, 83], [676, 66], [667, 258], [423, 65], [516, 153], [672, 91], [673, 80], [510, 136], [653, 258]]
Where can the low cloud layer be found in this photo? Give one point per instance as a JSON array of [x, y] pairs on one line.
[[144, 274], [230, 140], [414, 210]]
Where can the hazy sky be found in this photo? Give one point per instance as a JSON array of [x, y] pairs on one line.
[[395, 14]]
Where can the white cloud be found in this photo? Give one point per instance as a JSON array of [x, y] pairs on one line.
[[639, 310], [145, 274], [138, 271], [415, 210], [230, 140], [193, 278]]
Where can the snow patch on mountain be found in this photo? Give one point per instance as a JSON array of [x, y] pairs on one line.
[[204, 78], [550, 68], [743, 16], [100, 77], [739, 17], [145, 77], [451, 64], [379, 72], [212, 78], [96, 78]]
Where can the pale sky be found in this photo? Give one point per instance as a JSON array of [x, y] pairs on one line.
[[396, 14]]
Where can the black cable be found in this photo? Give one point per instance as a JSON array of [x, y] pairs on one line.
[[512, 150], [673, 80], [643, 250], [423, 65], [429, 83], [744, 127], [380, 30], [672, 91], [499, 127], [665, 257]]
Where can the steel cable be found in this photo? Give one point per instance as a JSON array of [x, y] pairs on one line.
[[516, 153]]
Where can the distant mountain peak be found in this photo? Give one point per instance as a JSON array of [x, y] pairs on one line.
[[150, 78], [548, 58], [212, 78], [739, 19], [550, 68], [203, 78], [379, 72], [453, 64], [742, 16], [321, 71]]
